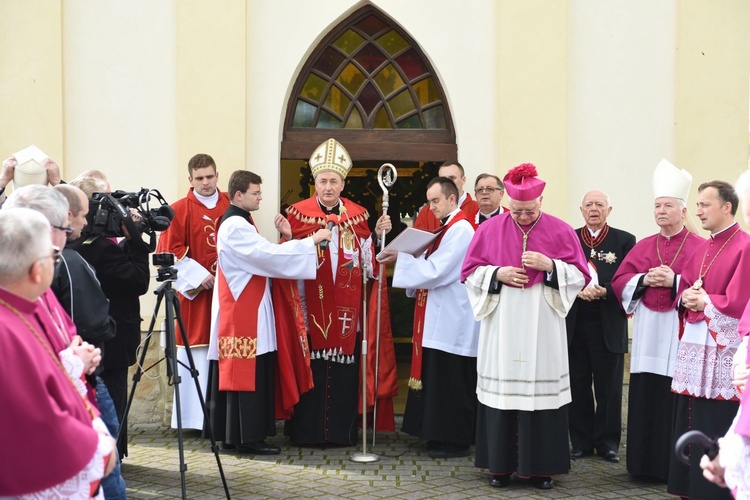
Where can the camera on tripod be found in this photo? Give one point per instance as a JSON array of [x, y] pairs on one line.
[[164, 263]]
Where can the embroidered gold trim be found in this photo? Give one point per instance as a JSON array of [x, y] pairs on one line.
[[415, 384], [237, 348]]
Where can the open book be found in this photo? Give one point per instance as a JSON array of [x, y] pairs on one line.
[[412, 241]]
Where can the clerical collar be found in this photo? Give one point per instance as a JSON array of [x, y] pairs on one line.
[[717, 233], [448, 217], [483, 217], [209, 201], [330, 210], [672, 235]]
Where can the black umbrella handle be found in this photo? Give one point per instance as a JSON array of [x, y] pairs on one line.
[[709, 446]]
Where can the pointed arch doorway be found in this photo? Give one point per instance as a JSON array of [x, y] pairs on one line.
[[370, 86]]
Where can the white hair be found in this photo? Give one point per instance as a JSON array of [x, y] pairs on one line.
[[606, 196], [50, 202], [24, 239], [742, 187]]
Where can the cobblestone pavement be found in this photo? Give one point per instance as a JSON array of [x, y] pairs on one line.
[[404, 471]]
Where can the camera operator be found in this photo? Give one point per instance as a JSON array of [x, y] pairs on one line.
[[123, 272]]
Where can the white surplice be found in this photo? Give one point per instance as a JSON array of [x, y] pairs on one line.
[[449, 324], [522, 363]]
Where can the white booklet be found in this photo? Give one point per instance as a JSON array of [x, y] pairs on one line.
[[412, 241]]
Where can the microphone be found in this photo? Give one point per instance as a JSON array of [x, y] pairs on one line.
[[332, 220]]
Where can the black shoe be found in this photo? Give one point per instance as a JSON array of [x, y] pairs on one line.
[[543, 483], [611, 456], [228, 446], [258, 448], [578, 453], [500, 480], [449, 450]]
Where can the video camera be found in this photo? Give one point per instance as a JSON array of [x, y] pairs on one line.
[[109, 211]]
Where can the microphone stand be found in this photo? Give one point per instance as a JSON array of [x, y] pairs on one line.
[[386, 181], [363, 457]]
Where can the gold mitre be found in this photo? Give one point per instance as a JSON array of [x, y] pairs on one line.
[[330, 156]]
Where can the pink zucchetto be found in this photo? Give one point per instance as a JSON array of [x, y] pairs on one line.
[[522, 183]]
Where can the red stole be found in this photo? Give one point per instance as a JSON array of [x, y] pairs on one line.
[[333, 309], [415, 377], [238, 333]]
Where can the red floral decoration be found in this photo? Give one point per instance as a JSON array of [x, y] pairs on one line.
[[517, 174]]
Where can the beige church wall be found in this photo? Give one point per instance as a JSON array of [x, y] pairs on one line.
[[621, 75], [531, 114], [275, 56], [31, 82], [211, 88], [713, 64], [119, 99]]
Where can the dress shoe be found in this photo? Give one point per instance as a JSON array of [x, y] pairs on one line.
[[449, 450], [578, 453], [228, 446], [543, 483], [500, 480], [611, 456], [258, 448]]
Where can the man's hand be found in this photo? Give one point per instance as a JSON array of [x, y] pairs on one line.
[[383, 224], [661, 276], [9, 168], [712, 469], [320, 235], [282, 226], [53, 172], [693, 299], [387, 256], [739, 377], [592, 292], [538, 261], [513, 276], [208, 283], [90, 355]]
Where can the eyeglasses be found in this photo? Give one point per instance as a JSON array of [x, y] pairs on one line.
[[67, 230], [488, 190], [519, 213], [56, 253]]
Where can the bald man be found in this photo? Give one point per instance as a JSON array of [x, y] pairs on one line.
[[598, 337]]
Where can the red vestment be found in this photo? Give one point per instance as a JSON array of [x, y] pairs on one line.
[[192, 234], [334, 311]]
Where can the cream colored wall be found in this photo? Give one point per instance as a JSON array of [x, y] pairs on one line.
[[531, 114], [31, 78], [621, 76], [713, 67]]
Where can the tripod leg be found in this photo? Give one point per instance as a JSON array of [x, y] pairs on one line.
[[194, 373]]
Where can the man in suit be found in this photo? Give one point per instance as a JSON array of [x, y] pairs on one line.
[[598, 337]]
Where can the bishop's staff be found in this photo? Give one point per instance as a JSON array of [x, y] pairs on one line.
[[387, 176]]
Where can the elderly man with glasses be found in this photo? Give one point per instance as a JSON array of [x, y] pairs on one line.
[[523, 271]]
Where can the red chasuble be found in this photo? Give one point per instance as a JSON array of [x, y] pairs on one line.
[[426, 220], [674, 252], [192, 233], [333, 312]]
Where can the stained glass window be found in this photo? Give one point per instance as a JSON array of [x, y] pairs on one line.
[[368, 74]]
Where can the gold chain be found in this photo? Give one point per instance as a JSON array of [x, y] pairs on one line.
[[702, 273], [54, 357], [658, 253]]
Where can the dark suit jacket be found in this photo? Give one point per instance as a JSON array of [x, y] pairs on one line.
[[124, 275], [613, 318]]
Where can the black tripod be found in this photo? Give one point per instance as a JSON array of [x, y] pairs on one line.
[[172, 312]]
